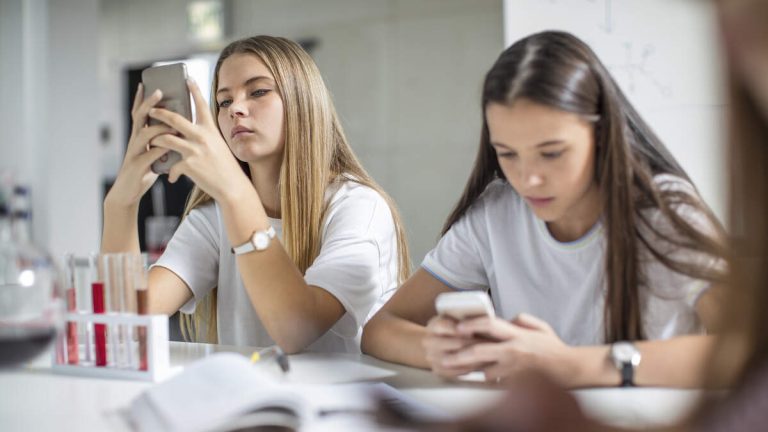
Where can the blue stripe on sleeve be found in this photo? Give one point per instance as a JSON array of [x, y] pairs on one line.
[[438, 277]]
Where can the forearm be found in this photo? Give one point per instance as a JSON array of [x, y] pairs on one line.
[[676, 362], [395, 339], [121, 228], [293, 313]]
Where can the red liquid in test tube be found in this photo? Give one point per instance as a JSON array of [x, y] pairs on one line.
[[100, 329]]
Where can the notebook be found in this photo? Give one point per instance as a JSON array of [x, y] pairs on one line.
[[224, 391]]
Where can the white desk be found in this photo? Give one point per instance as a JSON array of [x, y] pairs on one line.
[[35, 399]]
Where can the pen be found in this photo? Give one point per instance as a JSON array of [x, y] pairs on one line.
[[272, 352]]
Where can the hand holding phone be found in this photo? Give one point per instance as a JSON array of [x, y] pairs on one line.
[[171, 80], [464, 304]]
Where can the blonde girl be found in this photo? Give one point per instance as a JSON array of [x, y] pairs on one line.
[[286, 238]]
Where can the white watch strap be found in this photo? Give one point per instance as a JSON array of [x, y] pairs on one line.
[[252, 245]]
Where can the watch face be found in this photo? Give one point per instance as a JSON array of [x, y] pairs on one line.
[[261, 240], [625, 352]]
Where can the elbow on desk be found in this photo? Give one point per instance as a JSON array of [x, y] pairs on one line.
[[291, 343], [368, 339], [293, 338]]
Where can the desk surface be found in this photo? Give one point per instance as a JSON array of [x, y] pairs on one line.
[[37, 399]]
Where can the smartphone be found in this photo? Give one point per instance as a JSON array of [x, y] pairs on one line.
[[464, 304], [171, 79]]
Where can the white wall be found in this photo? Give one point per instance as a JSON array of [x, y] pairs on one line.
[[48, 127], [666, 57], [405, 76], [74, 179], [23, 80]]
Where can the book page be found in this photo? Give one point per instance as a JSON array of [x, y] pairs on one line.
[[210, 392]]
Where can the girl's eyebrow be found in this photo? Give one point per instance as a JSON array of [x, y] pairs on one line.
[[549, 143], [540, 145], [248, 81]]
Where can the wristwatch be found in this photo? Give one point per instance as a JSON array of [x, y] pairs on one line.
[[626, 358], [259, 241]]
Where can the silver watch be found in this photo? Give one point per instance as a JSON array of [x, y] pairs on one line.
[[626, 357], [259, 241]]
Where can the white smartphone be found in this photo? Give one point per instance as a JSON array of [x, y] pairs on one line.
[[171, 79], [464, 304]]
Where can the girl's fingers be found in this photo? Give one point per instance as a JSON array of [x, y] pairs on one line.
[[443, 344], [137, 98], [171, 142], [138, 145], [176, 171], [531, 322], [495, 373], [201, 107], [176, 121], [474, 355], [146, 159], [442, 326], [139, 115], [451, 372], [495, 328], [501, 371]]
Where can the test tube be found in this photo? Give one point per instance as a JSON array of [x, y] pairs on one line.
[[136, 301], [113, 290], [131, 265], [82, 277], [73, 348], [95, 267]]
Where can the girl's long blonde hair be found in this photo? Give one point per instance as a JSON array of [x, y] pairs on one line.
[[316, 153]]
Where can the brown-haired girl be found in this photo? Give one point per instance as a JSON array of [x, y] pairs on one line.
[[598, 253]]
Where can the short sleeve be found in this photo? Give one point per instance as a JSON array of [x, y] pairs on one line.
[[358, 255], [193, 254], [457, 259]]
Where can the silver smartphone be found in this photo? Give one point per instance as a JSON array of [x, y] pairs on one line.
[[171, 79], [464, 304]]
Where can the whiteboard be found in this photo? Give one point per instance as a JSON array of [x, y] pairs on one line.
[[665, 56]]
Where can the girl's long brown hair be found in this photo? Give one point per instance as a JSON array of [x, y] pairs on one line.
[[559, 70], [316, 153]]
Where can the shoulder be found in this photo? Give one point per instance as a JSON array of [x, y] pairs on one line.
[[350, 195], [345, 190], [355, 206], [684, 200], [207, 213]]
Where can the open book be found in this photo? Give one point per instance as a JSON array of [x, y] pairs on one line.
[[225, 391]]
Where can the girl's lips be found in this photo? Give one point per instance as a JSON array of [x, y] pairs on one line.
[[539, 202], [239, 131]]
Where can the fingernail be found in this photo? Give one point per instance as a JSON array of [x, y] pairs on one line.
[[157, 93], [191, 80]]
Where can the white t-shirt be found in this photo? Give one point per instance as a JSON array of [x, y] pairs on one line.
[[499, 244], [358, 264]]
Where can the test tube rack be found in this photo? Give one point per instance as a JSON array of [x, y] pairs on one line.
[[157, 347]]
